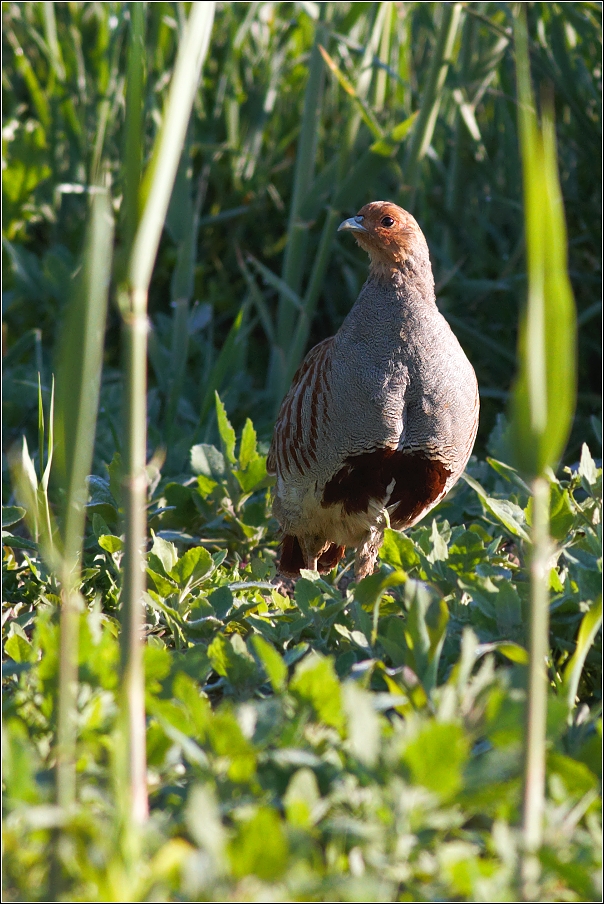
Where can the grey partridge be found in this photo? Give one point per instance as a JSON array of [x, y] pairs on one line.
[[380, 419]]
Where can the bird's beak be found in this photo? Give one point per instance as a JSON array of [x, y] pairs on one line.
[[355, 224]]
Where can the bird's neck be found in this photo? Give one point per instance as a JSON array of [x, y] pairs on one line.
[[389, 300], [410, 277]]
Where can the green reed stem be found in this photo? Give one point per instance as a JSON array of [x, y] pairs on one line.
[[78, 388], [157, 188], [536, 709]]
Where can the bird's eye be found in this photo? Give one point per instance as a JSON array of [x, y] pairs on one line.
[[387, 222]]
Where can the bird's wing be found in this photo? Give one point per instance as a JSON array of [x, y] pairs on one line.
[[303, 414]]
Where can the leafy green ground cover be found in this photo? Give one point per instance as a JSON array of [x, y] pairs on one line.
[[357, 742], [328, 741]]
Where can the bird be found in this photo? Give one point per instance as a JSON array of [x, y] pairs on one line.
[[380, 419]]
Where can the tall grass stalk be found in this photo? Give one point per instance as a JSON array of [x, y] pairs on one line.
[[78, 386], [298, 330], [133, 128], [184, 227], [293, 261], [543, 404], [430, 103], [156, 190]]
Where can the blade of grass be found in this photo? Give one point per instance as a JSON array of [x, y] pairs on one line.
[[50, 28], [156, 190], [184, 229], [78, 386], [293, 261], [22, 64], [295, 347], [363, 108], [223, 363], [133, 136], [590, 625], [381, 79], [430, 103], [542, 407]]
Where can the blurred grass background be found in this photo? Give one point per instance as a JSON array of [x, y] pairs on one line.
[[304, 114]]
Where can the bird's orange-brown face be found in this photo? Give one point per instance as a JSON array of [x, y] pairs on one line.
[[385, 231]]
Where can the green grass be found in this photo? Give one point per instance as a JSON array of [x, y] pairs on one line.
[[245, 151], [339, 741]]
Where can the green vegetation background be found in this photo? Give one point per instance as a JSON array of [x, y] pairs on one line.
[[303, 782]]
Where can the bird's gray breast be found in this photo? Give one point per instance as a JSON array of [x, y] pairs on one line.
[[401, 380]]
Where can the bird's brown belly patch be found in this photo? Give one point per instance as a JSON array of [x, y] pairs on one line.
[[418, 482]]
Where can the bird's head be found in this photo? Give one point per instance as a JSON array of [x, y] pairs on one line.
[[389, 234]]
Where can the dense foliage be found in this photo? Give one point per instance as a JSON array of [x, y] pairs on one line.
[[336, 744], [328, 741]]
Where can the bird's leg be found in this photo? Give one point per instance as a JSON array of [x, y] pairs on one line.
[[367, 552], [313, 548]]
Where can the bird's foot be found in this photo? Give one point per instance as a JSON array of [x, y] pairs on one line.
[[367, 553]]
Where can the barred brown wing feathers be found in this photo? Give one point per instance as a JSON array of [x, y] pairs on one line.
[[303, 412]]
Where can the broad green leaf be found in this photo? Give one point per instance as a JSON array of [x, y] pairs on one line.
[[508, 609], [259, 847], [302, 798], [12, 514], [221, 601], [173, 855], [425, 630], [164, 587], [512, 651], [562, 511], [166, 552], [273, 664], [227, 434], [207, 461], [436, 758], [110, 543], [157, 666], [254, 474], [369, 590], [204, 821], [307, 594], [587, 466], [235, 664], [440, 550], [398, 550], [205, 485], [229, 743], [18, 542], [115, 469], [186, 689], [18, 648], [508, 473], [195, 563], [363, 723], [504, 510], [578, 779], [247, 448], [315, 682]]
